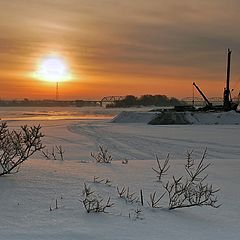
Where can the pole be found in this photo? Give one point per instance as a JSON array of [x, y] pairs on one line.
[[57, 93], [193, 97], [228, 70]]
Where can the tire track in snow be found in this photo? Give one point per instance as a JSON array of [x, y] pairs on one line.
[[145, 145]]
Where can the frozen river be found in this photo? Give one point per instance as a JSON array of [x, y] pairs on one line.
[[81, 130]]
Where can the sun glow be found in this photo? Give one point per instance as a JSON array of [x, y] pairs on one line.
[[53, 69]]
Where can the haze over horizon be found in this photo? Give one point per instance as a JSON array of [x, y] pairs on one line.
[[118, 48]]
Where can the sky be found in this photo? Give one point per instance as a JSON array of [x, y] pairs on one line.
[[119, 47]]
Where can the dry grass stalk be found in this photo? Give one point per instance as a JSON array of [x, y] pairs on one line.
[[102, 156], [94, 203]]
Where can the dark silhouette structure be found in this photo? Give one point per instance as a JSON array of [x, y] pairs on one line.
[[226, 95]]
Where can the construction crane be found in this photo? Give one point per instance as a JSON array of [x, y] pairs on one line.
[[228, 104]]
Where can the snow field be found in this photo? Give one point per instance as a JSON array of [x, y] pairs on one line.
[[26, 197]]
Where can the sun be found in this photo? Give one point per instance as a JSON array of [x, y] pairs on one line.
[[53, 69]]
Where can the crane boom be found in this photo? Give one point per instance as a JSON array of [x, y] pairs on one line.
[[202, 94]]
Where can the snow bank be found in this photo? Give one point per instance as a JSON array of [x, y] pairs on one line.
[[167, 118], [231, 117], [134, 117]]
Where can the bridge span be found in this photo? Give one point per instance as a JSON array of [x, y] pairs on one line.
[[106, 99]]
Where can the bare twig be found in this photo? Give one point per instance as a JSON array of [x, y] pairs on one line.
[[53, 154], [190, 160], [161, 171], [128, 196], [154, 201], [131, 196], [57, 153], [121, 192], [60, 151], [46, 154]]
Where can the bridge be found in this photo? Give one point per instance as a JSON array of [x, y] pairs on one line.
[[197, 101], [107, 99], [200, 102], [111, 99]]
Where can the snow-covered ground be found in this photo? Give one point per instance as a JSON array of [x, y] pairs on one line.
[[26, 197], [171, 117]]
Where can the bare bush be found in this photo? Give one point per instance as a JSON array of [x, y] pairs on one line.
[[56, 205], [97, 180], [161, 171], [93, 202], [57, 153], [131, 196], [192, 191], [128, 196], [102, 156], [106, 181], [137, 214], [121, 192], [17, 146]]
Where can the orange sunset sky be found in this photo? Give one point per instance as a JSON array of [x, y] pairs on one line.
[[119, 47]]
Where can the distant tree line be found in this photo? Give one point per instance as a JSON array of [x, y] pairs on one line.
[[35, 103], [46, 103], [147, 100]]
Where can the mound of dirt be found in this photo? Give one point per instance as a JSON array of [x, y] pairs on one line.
[[167, 118], [134, 117]]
